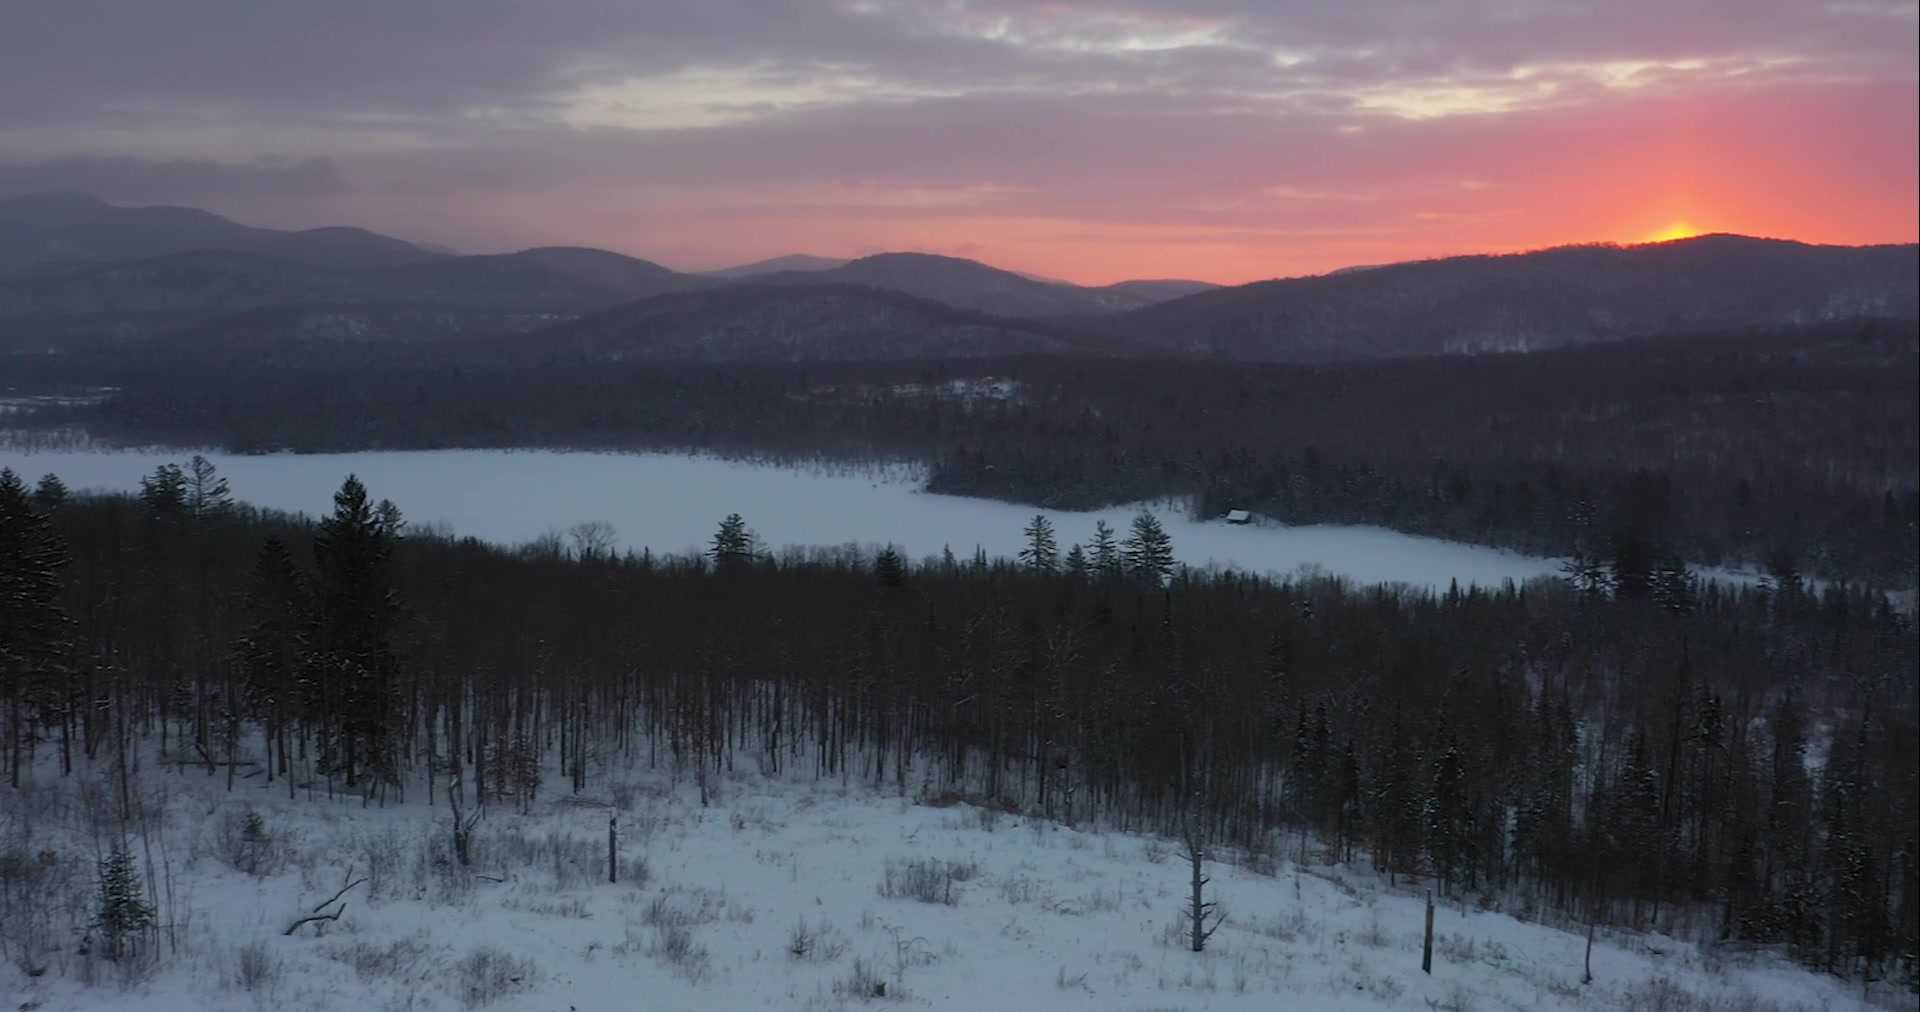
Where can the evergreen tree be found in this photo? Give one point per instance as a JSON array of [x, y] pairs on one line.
[[352, 663], [1393, 801], [1783, 573], [1105, 553], [164, 492], [1077, 561], [1042, 554], [270, 649], [1587, 574], [890, 569], [123, 915], [1449, 818], [1148, 551], [732, 543], [32, 623], [1305, 768], [51, 493], [204, 493], [1673, 584], [1632, 564], [1637, 830]]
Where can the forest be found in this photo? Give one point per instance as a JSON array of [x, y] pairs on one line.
[[1794, 449], [1731, 762]]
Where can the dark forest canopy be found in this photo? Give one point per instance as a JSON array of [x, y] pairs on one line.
[[1795, 446], [1739, 761]]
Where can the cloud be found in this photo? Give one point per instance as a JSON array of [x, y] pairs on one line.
[[134, 179], [428, 60], [491, 122]]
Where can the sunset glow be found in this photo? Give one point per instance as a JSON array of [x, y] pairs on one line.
[[1677, 230], [1091, 141]]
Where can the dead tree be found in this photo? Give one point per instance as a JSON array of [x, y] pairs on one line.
[[463, 823], [1204, 917]]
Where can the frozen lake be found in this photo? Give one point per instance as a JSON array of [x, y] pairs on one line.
[[672, 504]]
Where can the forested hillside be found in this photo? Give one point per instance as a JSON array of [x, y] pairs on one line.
[[1793, 448], [1731, 764], [1532, 301]]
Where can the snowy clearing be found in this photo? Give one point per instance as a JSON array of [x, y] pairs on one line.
[[782, 895], [671, 504]]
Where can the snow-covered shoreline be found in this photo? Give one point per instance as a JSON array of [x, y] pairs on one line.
[[671, 503]]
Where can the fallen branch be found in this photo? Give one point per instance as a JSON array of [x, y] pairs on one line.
[[295, 926], [343, 891]]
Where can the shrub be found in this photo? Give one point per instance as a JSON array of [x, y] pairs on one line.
[[634, 871], [815, 943], [255, 968], [486, 975], [242, 841], [861, 983], [372, 962], [928, 880]]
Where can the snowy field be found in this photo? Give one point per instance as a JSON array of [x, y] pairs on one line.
[[776, 897], [672, 504]]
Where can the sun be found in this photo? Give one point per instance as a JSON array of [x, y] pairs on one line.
[[1677, 230]]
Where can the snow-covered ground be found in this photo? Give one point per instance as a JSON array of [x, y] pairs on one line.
[[774, 898], [673, 503]]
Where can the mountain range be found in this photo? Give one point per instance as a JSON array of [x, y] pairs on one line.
[[78, 272]]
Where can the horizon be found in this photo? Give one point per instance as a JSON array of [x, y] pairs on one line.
[[432, 246], [1090, 141]]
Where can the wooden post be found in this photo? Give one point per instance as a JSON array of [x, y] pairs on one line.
[[1587, 977], [1426, 951], [613, 850]]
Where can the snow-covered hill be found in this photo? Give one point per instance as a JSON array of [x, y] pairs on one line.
[[783, 893]]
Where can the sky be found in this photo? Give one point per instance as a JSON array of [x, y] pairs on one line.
[[1087, 140]]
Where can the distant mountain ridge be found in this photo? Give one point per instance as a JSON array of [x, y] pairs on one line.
[[53, 230], [792, 323], [964, 284], [774, 265], [246, 287], [1530, 301]]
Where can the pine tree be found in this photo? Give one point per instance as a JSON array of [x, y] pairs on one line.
[[1148, 551], [1308, 767], [270, 649], [1450, 828], [204, 493], [164, 492], [1587, 574], [890, 569], [1783, 573], [51, 493], [732, 543], [1042, 554], [1632, 563], [32, 624], [1077, 561], [353, 662], [123, 915], [1673, 584], [1105, 553]]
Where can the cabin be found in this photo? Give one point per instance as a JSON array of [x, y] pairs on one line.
[[1239, 517]]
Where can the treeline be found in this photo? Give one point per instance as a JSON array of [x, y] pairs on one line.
[[1797, 448], [1735, 762]]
